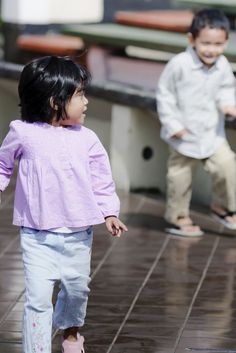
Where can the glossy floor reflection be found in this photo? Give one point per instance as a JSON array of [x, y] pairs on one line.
[[150, 292]]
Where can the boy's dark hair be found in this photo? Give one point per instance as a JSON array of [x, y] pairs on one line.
[[213, 18], [47, 82]]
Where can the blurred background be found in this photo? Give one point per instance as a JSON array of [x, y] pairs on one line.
[[125, 44]]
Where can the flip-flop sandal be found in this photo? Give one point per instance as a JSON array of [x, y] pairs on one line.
[[73, 347], [180, 231], [222, 218]]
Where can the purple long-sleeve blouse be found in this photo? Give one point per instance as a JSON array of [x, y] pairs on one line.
[[64, 176]]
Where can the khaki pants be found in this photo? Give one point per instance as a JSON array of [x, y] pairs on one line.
[[222, 168]]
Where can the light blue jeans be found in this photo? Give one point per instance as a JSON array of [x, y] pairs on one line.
[[47, 258]]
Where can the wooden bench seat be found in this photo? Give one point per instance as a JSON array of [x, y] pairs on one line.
[[167, 20], [53, 44]]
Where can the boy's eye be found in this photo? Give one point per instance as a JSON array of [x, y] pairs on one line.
[[216, 44]]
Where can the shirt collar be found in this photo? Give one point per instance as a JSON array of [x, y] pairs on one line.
[[196, 62]]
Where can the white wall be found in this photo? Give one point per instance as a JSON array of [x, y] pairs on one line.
[[51, 11], [25, 11], [62, 11]]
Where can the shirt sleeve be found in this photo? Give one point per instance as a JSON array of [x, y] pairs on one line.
[[227, 92], [102, 183], [10, 150], [167, 106]]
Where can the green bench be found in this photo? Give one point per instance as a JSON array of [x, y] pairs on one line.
[[120, 36], [228, 6]]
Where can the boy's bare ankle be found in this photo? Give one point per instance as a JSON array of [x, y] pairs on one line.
[[182, 221], [217, 208]]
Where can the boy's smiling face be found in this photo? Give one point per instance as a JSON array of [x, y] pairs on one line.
[[209, 44]]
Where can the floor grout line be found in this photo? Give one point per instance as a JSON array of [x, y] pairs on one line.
[[204, 273], [164, 245], [213, 350], [108, 252], [2, 205], [11, 307], [3, 252], [11, 342], [112, 246], [7, 200]]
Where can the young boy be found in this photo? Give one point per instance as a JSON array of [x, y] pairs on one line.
[[195, 91]]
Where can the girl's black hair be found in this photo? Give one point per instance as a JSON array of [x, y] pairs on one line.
[[213, 18], [46, 85]]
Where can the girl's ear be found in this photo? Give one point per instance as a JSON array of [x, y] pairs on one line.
[[190, 39], [52, 104]]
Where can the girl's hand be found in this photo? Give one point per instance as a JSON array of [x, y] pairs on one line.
[[115, 226]]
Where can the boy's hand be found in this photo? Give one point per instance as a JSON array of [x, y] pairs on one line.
[[229, 110], [179, 134], [115, 226]]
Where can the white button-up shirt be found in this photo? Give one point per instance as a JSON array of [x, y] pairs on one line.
[[191, 96]]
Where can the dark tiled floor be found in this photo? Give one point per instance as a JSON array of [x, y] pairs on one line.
[[150, 292]]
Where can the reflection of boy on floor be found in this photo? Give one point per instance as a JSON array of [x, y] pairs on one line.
[[195, 91]]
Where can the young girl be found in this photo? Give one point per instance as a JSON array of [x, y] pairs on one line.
[[64, 186]]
